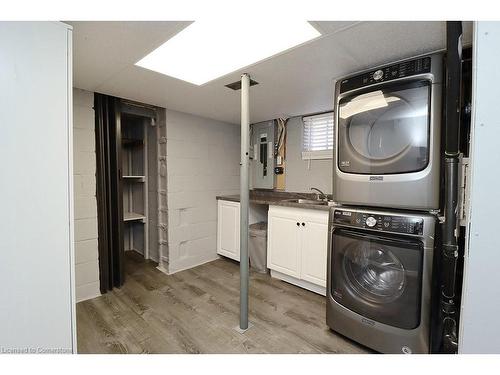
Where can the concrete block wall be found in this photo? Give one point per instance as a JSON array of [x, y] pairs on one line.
[[202, 162], [84, 164], [300, 174]]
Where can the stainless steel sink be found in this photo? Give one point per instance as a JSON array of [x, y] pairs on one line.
[[307, 201]]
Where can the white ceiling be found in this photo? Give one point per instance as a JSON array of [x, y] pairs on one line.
[[296, 82]]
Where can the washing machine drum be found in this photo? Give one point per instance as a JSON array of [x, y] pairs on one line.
[[374, 273], [385, 131], [378, 277]]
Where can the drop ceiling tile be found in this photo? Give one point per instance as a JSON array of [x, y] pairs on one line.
[[296, 82]]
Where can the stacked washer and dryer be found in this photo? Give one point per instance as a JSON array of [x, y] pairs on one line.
[[387, 186]]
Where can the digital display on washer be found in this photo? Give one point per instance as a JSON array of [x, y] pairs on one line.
[[388, 223], [388, 73]]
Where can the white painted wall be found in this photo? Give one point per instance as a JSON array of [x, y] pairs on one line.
[[84, 159], [301, 175], [202, 162], [36, 254], [480, 327]]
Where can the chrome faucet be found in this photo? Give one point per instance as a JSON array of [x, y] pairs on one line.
[[320, 194]]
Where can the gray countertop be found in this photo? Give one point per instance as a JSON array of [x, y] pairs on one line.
[[273, 198]]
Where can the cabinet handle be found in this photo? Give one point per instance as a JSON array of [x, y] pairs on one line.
[[303, 224], [298, 224]]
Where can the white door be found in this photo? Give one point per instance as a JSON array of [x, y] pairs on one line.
[[479, 327], [314, 242], [228, 229], [283, 254], [36, 255]]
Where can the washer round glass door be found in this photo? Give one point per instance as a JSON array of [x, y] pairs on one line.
[[385, 131], [374, 272], [378, 276]]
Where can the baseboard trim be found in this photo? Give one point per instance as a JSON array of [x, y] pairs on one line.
[[87, 291], [185, 264], [162, 269]]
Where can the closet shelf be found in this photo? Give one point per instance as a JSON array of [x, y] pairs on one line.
[[134, 178], [133, 216], [131, 142]]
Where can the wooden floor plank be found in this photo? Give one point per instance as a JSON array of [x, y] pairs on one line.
[[274, 307], [197, 311]]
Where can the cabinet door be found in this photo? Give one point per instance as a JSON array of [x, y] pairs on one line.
[[228, 229], [283, 243], [314, 243]]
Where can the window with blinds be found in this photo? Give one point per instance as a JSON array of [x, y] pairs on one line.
[[317, 137]]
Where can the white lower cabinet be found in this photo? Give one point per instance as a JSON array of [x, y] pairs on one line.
[[283, 244], [297, 246], [314, 250], [228, 226], [228, 229], [296, 241]]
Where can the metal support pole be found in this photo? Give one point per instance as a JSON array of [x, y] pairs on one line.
[[244, 198]]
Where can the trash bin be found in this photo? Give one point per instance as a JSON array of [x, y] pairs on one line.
[[257, 246]]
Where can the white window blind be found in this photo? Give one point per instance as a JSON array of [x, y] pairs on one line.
[[317, 138]]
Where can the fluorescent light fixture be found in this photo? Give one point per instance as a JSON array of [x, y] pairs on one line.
[[209, 49]]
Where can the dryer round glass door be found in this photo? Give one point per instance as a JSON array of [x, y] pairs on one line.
[[385, 131], [378, 276]]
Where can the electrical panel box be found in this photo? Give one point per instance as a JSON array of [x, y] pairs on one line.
[[263, 158]]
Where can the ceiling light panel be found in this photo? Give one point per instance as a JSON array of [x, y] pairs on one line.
[[206, 50]]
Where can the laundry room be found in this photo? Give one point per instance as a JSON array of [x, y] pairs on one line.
[[329, 190]]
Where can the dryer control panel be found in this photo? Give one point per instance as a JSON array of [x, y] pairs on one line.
[[380, 222], [387, 73]]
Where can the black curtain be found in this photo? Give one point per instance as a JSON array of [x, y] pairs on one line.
[[109, 191]]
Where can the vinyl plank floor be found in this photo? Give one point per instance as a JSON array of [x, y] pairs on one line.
[[197, 311]]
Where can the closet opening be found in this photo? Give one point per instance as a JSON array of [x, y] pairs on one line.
[[135, 183], [127, 139]]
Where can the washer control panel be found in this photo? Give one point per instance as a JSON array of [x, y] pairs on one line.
[[370, 221], [380, 222], [387, 73]]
